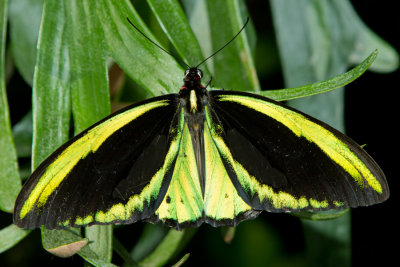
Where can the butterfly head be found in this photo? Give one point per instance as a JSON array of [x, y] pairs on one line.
[[193, 74], [192, 78]]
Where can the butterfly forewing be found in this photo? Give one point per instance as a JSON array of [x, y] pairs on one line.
[[117, 171]]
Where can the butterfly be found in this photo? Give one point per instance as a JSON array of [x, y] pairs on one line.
[[198, 156]]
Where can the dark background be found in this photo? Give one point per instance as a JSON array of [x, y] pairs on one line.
[[371, 118]]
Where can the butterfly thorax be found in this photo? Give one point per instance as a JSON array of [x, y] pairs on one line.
[[193, 94]]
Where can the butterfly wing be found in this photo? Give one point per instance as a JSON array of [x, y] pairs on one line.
[[117, 171], [280, 159]]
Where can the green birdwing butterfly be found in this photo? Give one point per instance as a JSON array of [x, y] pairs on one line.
[[198, 156]]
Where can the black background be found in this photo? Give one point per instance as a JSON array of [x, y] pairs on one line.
[[371, 118]]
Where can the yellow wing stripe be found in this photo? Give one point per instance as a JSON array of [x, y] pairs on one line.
[[278, 200], [90, 142], [124, 212], [324, 139]]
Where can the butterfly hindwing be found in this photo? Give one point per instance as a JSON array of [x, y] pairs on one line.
[[183, 203], [222, 203], [117, 171], [280, 159]]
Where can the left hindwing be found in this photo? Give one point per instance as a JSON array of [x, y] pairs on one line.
[[280, 159], [117, 171]]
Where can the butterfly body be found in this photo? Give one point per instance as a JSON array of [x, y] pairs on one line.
[[198, 156]]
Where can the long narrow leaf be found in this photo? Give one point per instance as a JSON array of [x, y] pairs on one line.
[[173, 20], [89, 74], [151, 236], [10, 183], [234, 66], [51, 89], [10, 236], [324, 86], [64, 243], [133, 53], [198, 18], [168, 248], [100, 237], [25, 17]]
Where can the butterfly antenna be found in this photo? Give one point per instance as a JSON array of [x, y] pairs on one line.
[[213, 54], [154, 43]]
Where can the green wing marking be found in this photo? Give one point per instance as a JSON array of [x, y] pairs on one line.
[[113, 172], [183, 202], [280, 159], [221, 200]]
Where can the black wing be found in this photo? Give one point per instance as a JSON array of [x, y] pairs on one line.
[[280, 159], [113, 172]]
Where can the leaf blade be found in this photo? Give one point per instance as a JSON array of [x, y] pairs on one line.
[[24, 32], [241, 73], [10, 182], [173, 20], [10, 236], [324, 86], [126, 46], [169, 247], [51, 94]]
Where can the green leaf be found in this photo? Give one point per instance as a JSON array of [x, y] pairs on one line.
[[150, 238], [51, 87], [157, 245], [146, 64], [25, 17], [322, 215], [63, 243], [88, 69], [93, 258], [365, 40], [233, 67], [170, 246], [10, 236], [10, 182], [197, 15], [324, 86], [100, 237], [182, 260], [173, 20]]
